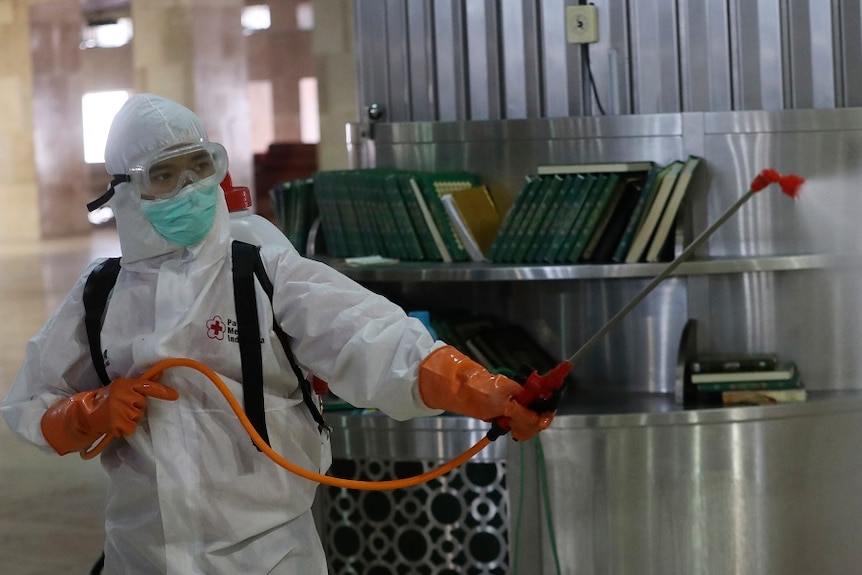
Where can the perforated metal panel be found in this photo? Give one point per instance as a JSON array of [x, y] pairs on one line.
[[456, 524]]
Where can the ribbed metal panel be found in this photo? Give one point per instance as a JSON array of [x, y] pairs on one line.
[[460, 60], [705, 56], [450, 61], [655, 57], [522, 87], [423, 83], [483, 59]]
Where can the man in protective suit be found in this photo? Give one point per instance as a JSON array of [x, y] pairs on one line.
[[188, 493]]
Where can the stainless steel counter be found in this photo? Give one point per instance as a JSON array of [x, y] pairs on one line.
[[640, 485]]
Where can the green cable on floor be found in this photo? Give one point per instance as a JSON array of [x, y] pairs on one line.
[[517, 542], [543, 489], [546, 501]]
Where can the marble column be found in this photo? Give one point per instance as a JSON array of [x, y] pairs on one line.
[[19, 216], [335, 63], [193, 51], [58, 85]]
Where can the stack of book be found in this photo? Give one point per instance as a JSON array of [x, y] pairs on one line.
[[294, 209], [497, 345], [584, 213], [404, 215], [595, 213], [757, 379]]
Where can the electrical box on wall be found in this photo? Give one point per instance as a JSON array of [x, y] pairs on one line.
[[582, 24]]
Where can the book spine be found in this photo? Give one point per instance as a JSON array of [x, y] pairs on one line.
[[330, 221], [521, 237], [569, 211], [423, 233], [428, 187], [622, 248], [749, 385], [593, 209], [569, 246], [648, 227], [430, 222], [509, 219], [664, 230], [544, 218], [733, 365], [411, 248], [555, 219]]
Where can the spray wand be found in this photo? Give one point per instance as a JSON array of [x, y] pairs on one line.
[[542, 393]]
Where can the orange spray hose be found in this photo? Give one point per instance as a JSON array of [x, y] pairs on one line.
[[235, 406]]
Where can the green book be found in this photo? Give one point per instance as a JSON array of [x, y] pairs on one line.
[[646, 192], [595, 168], [432, 187], [294, 209], [501, 248], [349, 207], [553, 219], [527, 229], [330, 216], [646, 228], [391, 244], [527, 209], [607, 214], [591, 187], [544, 219], [617, 221], [664, 229], [568, 214], [411, 248], [366, 222], [430, 220], [423, 233], [585, 232], [793, 382]]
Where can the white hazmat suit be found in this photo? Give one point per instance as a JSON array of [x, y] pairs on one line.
[[188, 492]]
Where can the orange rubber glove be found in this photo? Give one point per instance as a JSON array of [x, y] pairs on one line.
[[73, 424], [451, 381]]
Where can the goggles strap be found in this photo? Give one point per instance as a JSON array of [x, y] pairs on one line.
[[103, 199]]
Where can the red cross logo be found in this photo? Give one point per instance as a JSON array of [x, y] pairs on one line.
[[215, 328]]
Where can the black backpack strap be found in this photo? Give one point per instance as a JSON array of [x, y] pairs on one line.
[[249, 335], [97, 289], [304, 385]]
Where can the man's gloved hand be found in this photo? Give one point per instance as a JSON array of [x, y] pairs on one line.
[[74, 423], [452, 381]]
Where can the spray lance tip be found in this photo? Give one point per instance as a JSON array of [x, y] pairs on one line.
[[790, 184]]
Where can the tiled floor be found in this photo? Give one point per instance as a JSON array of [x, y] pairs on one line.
[[50, 507]]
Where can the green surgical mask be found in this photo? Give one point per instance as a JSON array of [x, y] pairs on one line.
[[186, 218]]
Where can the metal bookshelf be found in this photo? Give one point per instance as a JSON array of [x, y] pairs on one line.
[[487, 272]]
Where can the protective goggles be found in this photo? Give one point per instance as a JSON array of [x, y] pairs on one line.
[[161, 176]]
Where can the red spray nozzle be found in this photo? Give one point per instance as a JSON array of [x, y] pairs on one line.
[[790, 183]]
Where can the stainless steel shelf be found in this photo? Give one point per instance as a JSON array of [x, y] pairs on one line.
[[479, 272], [365, 434]]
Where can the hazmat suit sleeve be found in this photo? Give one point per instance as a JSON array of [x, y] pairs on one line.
[[57, 365], [366, 347]]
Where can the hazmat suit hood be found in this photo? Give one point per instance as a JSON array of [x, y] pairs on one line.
[[148, 123]]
